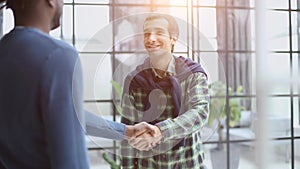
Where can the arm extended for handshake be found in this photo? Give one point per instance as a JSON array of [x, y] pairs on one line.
[[141, 136]]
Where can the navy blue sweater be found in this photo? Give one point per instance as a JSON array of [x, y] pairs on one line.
[[40, 103]]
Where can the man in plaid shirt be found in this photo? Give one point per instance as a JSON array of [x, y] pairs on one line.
[[171, 93]]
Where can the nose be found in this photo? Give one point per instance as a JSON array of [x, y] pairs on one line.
[[152, 37]]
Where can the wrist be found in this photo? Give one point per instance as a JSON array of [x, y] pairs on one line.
[[158, 132], [129, 130]]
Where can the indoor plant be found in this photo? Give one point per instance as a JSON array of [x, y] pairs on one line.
[[217, 116], [113, 164], [217, 105]]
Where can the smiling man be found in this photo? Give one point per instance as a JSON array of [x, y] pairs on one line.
[[178, 111]]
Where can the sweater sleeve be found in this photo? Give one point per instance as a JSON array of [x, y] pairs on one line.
[[99, 127], [61, 108], [197, 103]]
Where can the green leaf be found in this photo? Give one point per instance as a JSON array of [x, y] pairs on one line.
[[117, 87], [239, 90], [111, 162], [217, 104]]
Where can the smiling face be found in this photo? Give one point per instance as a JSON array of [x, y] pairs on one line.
[[157, 39]]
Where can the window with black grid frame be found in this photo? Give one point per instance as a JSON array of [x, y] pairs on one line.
[[105, 34]]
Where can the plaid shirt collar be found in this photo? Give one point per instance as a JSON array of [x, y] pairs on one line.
[[171, 71]]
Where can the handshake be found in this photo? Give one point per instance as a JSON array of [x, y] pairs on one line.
[[143, 136]]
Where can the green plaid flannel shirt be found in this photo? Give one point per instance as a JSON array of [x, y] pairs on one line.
[[181, 145]]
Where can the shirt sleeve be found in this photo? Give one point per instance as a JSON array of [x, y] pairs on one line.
[[197, 106], [100, 127], [61, 109]]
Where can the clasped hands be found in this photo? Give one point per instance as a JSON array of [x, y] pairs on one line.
[[143, 136]]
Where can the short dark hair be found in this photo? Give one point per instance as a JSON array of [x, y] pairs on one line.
[[12, 4]]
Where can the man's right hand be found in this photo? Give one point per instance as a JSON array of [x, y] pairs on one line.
[[146, 141], [132, 132]]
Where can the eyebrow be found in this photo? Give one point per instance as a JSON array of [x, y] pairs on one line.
[[156, 29]]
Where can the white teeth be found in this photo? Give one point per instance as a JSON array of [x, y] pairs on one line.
[[153, 46]]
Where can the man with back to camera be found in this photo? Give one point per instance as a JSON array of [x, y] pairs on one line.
[[178, 112], [41, 95]]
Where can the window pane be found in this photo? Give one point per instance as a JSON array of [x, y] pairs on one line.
[[132, 2], [207, 29], [247, 155], [296, 73], [278, 32], [180, 14], [97, 73], [279, 67], [205, 2], [277, 4], [295, 4], [218, 157], [67, 23], [209, 61], [90, 65], [89, 20], [125, 11], [101, 41], [295, 31], [280, 153], [252, 27], [205, 35], [279, 125], [93, 1], [281, 107], [178, 2], [296, 109], [297, 153]]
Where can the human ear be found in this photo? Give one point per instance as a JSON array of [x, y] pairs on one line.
[[173, 40], [51, 3]]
